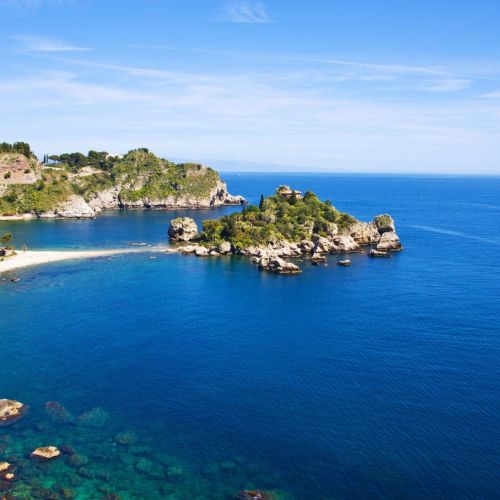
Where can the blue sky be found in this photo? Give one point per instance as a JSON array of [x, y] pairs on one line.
[[340, 85]]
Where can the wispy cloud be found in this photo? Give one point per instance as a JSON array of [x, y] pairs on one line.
[[448, 85], [246, 11], [40, 44]]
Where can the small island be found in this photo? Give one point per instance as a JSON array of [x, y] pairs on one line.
[[286, 225], [75, 185]]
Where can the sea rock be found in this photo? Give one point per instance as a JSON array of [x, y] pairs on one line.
[[344, 263], [234, 200], [96, 417], [378, 253], [125, 438], [11, 411], [384, 223], [57, 412], [149, 468], [322, 244], [224, 248], [201, 251], [45, 453], [276, 264], [182, 229], [75, 207], [4, 467], [317, 257], [346, 244], [307, 246], [77, 460], [255, 495], [389, 241]]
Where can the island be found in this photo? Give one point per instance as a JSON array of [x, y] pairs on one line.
[[286, 225], [74, 185]]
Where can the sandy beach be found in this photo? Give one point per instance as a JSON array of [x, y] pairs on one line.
[[38, 257]]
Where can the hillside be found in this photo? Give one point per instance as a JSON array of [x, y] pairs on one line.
[[75, 185]]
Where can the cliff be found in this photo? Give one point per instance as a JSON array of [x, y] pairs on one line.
[[78, 186]]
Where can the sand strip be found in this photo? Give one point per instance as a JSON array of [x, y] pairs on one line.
[[37, 257]]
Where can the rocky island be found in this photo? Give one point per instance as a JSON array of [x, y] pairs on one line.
[[81, 186], [286, 225]]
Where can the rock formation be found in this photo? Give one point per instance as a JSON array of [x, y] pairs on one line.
[[389, 241], [11, 411], [182, 229], [75, 207], [45, 453], [271, 262]]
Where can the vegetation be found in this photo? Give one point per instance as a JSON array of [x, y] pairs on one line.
[[18, 147], [139, 174], [276, 219]]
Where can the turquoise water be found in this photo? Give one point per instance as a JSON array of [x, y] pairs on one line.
[[378, 380]]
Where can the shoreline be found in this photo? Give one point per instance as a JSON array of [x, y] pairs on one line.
[[39, 257]]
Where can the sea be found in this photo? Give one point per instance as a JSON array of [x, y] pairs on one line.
[[180, 377]]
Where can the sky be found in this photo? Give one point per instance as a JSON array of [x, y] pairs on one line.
[[409, 86]]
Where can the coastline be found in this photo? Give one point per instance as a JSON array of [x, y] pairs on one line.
[[39, 257]]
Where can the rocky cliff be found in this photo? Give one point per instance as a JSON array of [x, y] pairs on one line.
[[81, 186]]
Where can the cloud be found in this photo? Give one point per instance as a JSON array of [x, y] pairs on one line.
[[448, 85], [39, 44], [246, 11]]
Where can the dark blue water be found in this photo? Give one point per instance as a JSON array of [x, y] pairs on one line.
[[378, 380]]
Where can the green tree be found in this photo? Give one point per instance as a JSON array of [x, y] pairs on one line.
[[261, 203]]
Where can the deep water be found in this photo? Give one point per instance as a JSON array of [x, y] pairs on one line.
[[381, 380]]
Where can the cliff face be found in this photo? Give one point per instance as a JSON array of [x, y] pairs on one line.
[[15, 168], [139, 180]]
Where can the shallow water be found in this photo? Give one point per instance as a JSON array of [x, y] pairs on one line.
[[378, 380]]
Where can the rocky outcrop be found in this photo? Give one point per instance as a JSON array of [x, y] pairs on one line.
[[378, 253], [384, 223], [45, 453], [272, 262], [105, 200], [17, 169], [11, 411], [75, 207], [389, 241], [365, 233], [182, 229], [345, 244]]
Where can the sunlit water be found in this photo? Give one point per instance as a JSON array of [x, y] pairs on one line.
[[378, 380]]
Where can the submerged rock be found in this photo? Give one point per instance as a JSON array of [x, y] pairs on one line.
[[96, 417], [57, 412], [45, 453], [11, 411], [149, 468], [125, 438], [182, 229], [255, 495]]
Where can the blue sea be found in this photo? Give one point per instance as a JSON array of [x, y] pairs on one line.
[[190, 378]]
